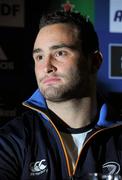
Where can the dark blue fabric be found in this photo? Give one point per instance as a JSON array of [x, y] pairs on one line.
[[30, 146]]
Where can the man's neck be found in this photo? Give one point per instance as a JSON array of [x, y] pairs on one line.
[[76, 113]]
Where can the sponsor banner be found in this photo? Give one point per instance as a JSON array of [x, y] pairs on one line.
[[85, 7], [12, 13], [5, 64], [115, 16], [7, 110], [7, 71], [115, 61]]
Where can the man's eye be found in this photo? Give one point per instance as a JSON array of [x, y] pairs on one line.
[[60, 53], [39, 57]]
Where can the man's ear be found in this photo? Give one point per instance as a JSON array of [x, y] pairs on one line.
[[97, 59]]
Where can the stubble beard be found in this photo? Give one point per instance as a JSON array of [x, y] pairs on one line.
[[76, 87], [54, 94]]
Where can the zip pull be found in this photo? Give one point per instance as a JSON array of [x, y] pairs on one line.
[[71, 178]]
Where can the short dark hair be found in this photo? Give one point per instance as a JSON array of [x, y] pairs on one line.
[[87, 33]]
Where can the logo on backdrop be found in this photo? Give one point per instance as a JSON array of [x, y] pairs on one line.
[[68, 6], [5, 64], [115, 16], [12, 13], [5, 111], [115, 61]]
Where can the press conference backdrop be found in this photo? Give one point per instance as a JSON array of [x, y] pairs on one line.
[[19, 21]]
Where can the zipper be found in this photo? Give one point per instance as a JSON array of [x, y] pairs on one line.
[[61, 140]]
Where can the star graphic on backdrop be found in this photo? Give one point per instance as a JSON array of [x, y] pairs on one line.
[[68, 6]]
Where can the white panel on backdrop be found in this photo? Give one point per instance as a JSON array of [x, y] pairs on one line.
[[115, 61], [115, 16], [12, 13]]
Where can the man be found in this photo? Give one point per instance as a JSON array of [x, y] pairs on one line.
[[65, 134]]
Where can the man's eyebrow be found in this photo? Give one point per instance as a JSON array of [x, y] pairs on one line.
[[70, 46], [58, 46], [37, 50]]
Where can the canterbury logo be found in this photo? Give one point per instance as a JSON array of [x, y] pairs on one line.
[[111, 168], [38, 167]]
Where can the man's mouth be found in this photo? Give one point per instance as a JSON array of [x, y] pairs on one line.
[[51, 80]]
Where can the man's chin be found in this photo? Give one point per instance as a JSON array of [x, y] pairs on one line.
[[52, 93]]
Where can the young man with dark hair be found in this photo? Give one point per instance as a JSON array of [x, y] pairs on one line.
[[65, 134]]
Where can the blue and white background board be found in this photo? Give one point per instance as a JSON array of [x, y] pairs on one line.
[[115, 16], [108, 23], [115, 61]]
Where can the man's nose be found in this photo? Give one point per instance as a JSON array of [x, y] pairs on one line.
[[49, 65]]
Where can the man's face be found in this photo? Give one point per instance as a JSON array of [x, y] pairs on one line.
[[62, 71]]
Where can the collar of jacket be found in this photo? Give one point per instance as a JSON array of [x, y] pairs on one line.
[[38, 103]]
